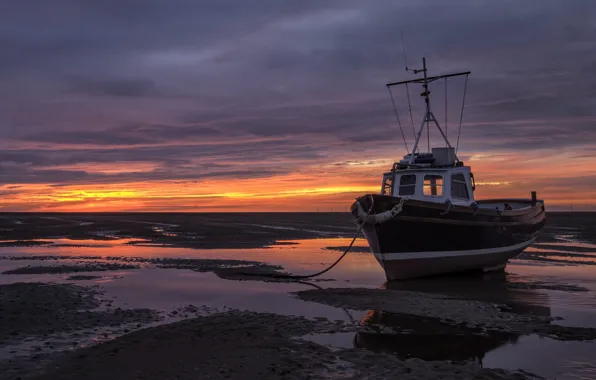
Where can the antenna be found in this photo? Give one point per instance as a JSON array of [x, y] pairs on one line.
[[403, 48]]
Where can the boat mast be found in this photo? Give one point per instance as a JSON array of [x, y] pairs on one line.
[[426, 95], [428, 114]]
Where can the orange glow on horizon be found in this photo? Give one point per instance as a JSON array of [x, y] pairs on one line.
[[322, 189]]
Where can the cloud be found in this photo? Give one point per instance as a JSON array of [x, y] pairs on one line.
[[88, 138], [117, 87], [126, 135], [29, 175]]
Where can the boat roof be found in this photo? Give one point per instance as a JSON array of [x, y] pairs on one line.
[[435, 168]]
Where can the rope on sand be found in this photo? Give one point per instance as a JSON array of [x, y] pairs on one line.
[[299, 277]]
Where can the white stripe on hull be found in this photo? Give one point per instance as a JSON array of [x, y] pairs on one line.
[[405, 265], [435, 254]]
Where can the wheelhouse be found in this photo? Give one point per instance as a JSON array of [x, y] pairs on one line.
[[455, 184]]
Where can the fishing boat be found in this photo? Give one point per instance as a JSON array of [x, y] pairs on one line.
[[425, 220]]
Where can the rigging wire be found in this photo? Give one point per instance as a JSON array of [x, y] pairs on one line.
[[398, 121], [410, 108], [428, 134], [403, 46], [461, 116], [446, 128]]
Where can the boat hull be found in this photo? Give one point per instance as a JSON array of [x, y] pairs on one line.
[[427, 238]]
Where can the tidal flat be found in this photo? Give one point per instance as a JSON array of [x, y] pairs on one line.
[[159, 296]]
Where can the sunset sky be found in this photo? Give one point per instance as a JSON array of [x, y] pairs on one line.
[[271, 105]]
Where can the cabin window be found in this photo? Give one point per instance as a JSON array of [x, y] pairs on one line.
[[433, 185], [459, 187], [407, 184]]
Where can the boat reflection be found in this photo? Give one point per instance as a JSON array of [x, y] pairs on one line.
[[517, 292], [412, 336]]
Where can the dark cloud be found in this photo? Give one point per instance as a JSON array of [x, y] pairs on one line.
[[531, 135], [15, 174], [54, 177], [125, 87], [88, 137], [127, 135]]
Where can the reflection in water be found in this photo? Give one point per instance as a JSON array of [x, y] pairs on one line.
[[497, 287], [410, 336], [296, 256], [432, 339]]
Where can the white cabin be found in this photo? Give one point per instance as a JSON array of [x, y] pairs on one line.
[[438, 182], [432, 184]]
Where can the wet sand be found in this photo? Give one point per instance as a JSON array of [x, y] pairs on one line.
[[37, 319], [123, 314], [37, 309], [245, 345]]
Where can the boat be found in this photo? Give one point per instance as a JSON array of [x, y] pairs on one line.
[[425, 221]]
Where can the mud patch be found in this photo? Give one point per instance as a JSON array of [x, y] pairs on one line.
[[40, 310], [227, 269], [24, 243], [56, 269], [82, 278], [352, 250]]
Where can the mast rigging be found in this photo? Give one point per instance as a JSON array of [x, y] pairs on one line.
[[429, 116]]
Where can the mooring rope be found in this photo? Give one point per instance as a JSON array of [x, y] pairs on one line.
[[297, 277]]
